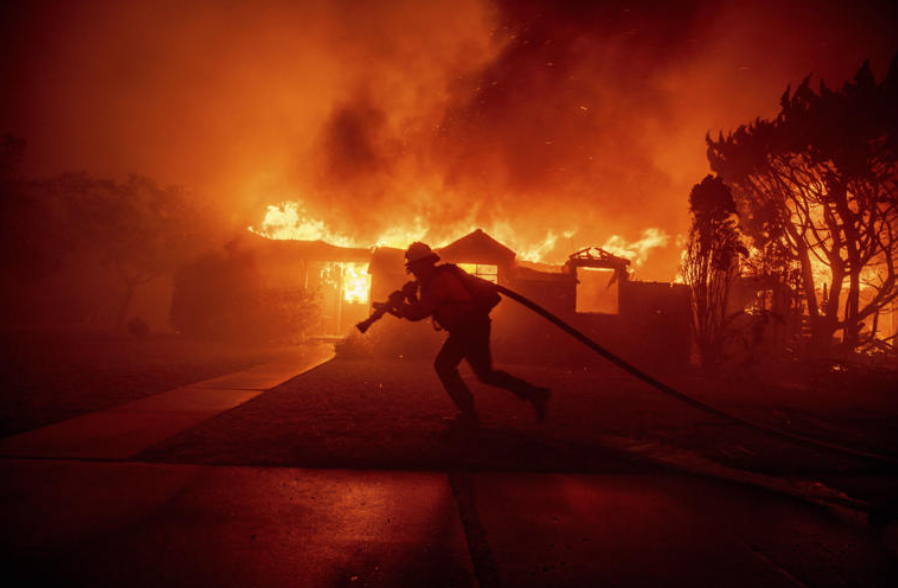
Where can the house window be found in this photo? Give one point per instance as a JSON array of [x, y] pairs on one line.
[[595, 290], [490, 273]]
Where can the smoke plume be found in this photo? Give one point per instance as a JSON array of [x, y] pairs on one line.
[[554, 125]]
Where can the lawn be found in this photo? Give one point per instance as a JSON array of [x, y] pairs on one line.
[[51, 375]]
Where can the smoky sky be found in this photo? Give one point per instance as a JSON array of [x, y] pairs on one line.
[[530, 117]]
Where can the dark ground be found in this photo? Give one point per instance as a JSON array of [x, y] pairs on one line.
[[390, 414], [502, 502], [364, 413], [47, 376], [94, 524]]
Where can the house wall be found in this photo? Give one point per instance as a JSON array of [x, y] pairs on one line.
[[651, 328], [655, 320]]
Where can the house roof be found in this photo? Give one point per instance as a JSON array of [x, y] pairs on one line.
[[597, 257], [477, 247], [530, 274], [387, 260], [308, 250]]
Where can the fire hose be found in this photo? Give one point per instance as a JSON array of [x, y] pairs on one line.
[[381, 309]]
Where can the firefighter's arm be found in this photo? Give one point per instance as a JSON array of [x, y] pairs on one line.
[[392, 305], [410, 291], [417, 308]]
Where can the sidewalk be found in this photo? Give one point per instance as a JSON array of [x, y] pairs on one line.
[[125, 430]]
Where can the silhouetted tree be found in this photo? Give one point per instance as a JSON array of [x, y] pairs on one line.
[[711, 265], [34, 244], [819, 184], [66, 238], [136, 228]]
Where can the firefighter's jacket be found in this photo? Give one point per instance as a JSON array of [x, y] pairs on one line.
[[445, 298]]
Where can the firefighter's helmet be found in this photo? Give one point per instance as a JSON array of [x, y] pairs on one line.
[[420, 253]]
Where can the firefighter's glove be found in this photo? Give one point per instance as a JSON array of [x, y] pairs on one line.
[[410, 289], [395, 301]]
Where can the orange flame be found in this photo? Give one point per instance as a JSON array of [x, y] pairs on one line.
[[356, 282], [636, 251], [289, 221], [351, 278]]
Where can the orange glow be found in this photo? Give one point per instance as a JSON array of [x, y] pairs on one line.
[[382, 123], [596, 291], [289, 221], [351, 279], [356, 282], [490, 273], [637, 251], [820, 269]]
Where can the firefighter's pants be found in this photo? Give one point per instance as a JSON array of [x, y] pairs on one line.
[[471, 342]]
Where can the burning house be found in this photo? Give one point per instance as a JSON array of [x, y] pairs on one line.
[[645, 321], [335, 279]]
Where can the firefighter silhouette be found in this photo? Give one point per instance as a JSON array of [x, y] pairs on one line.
[[460, 303]]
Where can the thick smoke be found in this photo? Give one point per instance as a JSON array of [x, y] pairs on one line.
[[576, 119]]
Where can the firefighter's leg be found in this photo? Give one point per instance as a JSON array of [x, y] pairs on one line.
[[478, 355], [446, 365], [480, 358]]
